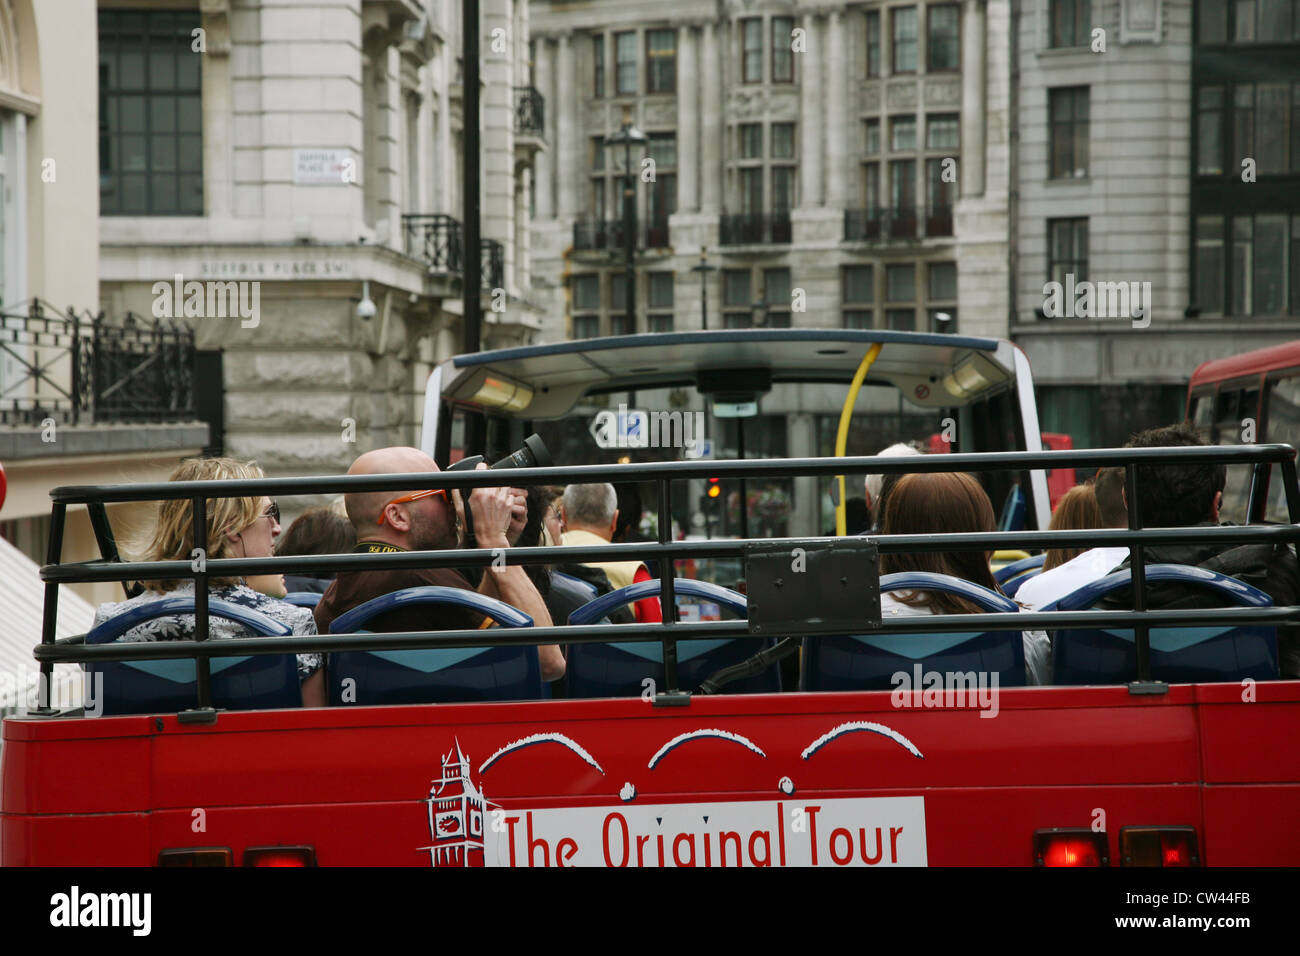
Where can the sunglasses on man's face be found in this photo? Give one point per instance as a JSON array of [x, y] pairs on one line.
[[413, 496]]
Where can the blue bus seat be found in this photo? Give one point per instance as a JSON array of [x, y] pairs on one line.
[[1013, 511], [1179, 655], [1023, 567], [433, 675], [251, 682], [1014, 585], [617, 669], [303, 598], [868, 661]]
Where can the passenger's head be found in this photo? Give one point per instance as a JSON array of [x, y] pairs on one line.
[[629, 512], [1175, 496], [857, 518], [939, 503], [592, 508], [236, 527], [552, 524], [1108, 484], [413, 519], [1076, 511], [878, 487], [319, 530]]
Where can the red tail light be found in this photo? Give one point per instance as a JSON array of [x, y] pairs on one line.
[[1070, 847], [1158, 846], [280, 856], [197, 856]]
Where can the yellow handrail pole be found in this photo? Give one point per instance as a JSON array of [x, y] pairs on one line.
[[842, 436]]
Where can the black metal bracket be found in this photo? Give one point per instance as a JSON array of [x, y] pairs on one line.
[[199, 715], [1148, 688], [838, 586], [675, 698]]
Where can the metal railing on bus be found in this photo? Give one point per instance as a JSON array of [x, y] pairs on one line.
[[1135, 538]]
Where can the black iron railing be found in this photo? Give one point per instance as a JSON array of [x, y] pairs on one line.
[[493, 263], [597, 234], [435, 239], [78, 368], [530, 116], [875, 225], [744, 228], [665, 551]]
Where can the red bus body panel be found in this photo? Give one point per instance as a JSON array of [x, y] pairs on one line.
[[1258, 362], [354, 783]]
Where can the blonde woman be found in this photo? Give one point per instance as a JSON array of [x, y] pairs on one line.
[[237, 528]]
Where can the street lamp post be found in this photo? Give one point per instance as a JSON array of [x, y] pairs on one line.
[[626, 137], [704, 269]]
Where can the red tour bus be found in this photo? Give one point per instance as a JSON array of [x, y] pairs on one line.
[[1252, 397], [1164, 739]]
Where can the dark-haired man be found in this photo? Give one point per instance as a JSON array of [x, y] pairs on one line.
[[1178, 496]]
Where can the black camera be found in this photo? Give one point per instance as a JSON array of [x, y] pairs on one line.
[[534, 454]]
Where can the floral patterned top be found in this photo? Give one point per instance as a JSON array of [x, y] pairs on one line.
[[180, 627]]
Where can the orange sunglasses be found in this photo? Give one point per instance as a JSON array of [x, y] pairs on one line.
[[413, 496]]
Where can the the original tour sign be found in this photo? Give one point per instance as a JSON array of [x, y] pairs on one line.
[[467, 829]]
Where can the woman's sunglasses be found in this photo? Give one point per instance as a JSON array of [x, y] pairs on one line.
[[413, 496], [272, 512]]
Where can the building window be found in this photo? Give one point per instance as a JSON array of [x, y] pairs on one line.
[[625, 62], [1212, 22], [871, 188], [586, 326], [1272, 125], [150, 114], [1270, 255], [941, 296], [1243, 234], [1209, 265], [737, 301], [662, 198], [943, 37], [598, 190], [942, 132], [1068, 117], [873, 43], [900, 290], [940, 196], [902, 134], [872, 127], [660, 302], [1067, 245], [1260, 21], [598, 65], [1209, 131], [782, 58], [1069, 22], [751, 140], [904, 23], [857, 297], [620, 324], [776, 296], [902, 186], [752, 57], [783, 140], [586, 293], [661, 61]]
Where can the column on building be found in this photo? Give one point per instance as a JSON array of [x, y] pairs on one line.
[[688, 199], [970, 173], [712, 129], [838, 122], [497, 138], [567, 147], [543, 67], [811, 120]]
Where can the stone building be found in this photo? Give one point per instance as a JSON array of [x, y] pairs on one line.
[[840, 164], [309, 153], [1134, 119]]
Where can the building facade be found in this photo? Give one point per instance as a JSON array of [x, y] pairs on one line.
[[1157, 150], [305, 155], [839, 165]]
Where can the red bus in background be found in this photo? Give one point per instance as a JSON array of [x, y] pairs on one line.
[[1249, 398]]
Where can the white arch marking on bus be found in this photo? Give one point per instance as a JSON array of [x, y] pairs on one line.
[[854, 725], [541, 739], [695, 734]]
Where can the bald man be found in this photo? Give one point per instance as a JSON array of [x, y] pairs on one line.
[[387, 521]]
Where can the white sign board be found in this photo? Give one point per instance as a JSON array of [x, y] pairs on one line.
[[323, 167], [875, 831]]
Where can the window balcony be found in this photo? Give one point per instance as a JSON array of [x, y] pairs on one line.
[[882, 225], [751, 229]]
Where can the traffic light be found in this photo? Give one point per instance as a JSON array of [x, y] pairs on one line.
[[715, 488], [711, 504]]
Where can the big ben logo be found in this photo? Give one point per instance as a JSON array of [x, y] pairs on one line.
[[456, 810]]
